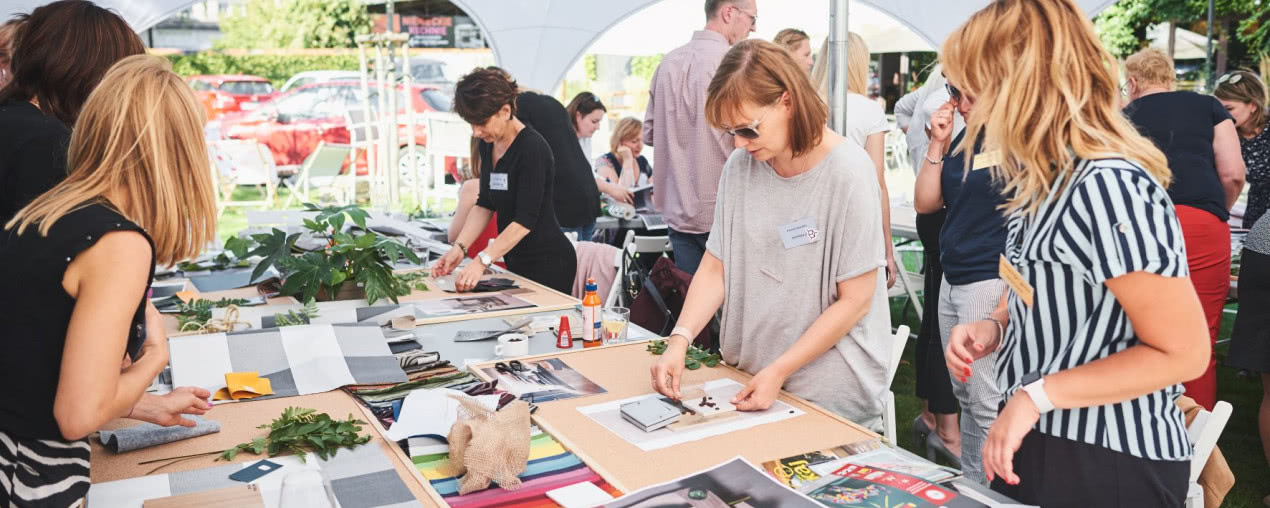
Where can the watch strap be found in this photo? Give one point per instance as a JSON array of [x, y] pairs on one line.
[[1036, 390]]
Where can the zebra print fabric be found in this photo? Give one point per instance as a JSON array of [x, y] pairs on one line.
[[42, 472]]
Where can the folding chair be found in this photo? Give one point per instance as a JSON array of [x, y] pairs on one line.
[[363, 134], [242, 163], [324, 165], [1203, 433], [898, 340]]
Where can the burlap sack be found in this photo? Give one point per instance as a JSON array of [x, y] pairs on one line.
[[489, 445]]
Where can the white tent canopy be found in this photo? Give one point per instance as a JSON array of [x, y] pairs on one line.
[[538, 40], [1187, 45]]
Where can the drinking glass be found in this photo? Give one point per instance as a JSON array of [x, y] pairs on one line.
[[616, 322]]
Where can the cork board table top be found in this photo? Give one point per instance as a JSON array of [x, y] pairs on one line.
[[623, 370]]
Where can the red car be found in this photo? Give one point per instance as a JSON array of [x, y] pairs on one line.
[[292, 124], [222, 94]]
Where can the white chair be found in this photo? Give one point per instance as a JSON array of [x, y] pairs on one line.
[[620, 266], [907, 283], [239, 163], [1203, 433], [322, 170], [898, 340], [632, 245]]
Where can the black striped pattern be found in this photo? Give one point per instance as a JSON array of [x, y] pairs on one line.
[[1112, 219], [44, 473]]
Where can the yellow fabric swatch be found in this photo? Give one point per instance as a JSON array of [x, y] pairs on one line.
[[243, 385], [186, 296]]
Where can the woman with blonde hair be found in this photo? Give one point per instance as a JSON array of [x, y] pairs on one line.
[[798, 44], [866, 124], [139, 193], [1198, 137], [1100, 325], [795, 255], [623, 165]]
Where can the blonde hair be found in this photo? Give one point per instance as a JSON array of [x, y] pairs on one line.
[[626, 128], [857, 67], [1249, 90], [140, 134], [758, 72], [1151, 67], [1046, 92], [790, 37]]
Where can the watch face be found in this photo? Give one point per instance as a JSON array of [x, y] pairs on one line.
[[1030, 378]]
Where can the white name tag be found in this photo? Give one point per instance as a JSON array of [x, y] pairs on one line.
[[498, 181], [987, 160], [800, 233]]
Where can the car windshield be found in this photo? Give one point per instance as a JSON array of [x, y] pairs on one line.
[[437, 100], [427, 71], [246, 87]]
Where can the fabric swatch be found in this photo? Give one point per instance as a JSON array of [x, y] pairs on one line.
[[149, 434]]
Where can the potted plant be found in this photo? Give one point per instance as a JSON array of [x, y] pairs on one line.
[[351, 266]]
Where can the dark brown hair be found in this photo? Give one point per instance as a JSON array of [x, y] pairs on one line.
[[482, 92], [1247, 89], [758, 72], [583, 103], [61, 51]]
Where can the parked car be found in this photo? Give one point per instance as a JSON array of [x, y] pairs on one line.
[[222, 94], [426, 71], [292, 124], [311, 77]]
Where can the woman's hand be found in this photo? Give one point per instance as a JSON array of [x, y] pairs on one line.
[[619, 193], [941, 124], [969, 342], [167, 410], [624, 154], [469, 277], [892, 270], [448, 262], [1005, 436], [669, 369], [760, 392]]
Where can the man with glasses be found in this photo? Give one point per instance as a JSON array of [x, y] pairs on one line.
[[689, 153]]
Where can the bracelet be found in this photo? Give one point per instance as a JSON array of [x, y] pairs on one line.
[[1000, 328], [461, 248], [682, 332], [940, 161]]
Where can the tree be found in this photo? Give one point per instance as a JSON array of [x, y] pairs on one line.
[[269, 24]]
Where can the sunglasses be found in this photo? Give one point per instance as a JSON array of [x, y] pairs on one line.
[[749, 131], [1232, 78], [953, 92]]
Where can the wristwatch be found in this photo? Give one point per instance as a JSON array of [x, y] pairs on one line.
[[485, 259], [1034, 385]]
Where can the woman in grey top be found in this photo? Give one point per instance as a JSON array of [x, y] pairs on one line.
[[795, 257]]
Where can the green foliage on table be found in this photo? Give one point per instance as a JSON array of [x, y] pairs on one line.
[[264, 24], [300, 430], [303, 316], [198, 312], [695, 358], [415, 280], [234, 256], [365, 259]]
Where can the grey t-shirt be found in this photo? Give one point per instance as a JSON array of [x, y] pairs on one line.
[[773, 294]]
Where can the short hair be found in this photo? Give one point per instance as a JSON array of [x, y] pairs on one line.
[[1151, 66], [583, 103], [482, 92], [61, 51], [713, 6], [758, 72], [790, 37], [1248, 89], [626, 128]]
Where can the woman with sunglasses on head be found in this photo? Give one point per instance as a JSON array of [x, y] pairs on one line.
[[795, 255], [1198, 137], [1244, 96], [1101, 324], [517, 171], [970, 243]]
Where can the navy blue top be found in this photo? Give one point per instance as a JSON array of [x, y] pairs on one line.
[[973, 237], [1182, 125]]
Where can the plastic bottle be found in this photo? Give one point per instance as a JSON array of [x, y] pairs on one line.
[[591, 315]]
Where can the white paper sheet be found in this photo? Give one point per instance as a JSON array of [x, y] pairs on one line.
[[431, 412], [609, 416]]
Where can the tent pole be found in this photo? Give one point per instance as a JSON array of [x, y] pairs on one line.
[[1208, 53], [838, 65]]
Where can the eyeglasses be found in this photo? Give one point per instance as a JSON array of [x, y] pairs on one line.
[[749, 131], [953, 91], [1232, 78], [753, 17]]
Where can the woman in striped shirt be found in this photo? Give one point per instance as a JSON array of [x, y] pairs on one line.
[[1101, 322]]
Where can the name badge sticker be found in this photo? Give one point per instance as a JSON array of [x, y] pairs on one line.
[[498, 181], [987, 159], [800, 233], [1015, 280]]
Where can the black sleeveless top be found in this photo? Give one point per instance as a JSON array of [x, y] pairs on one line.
[[36, 312], [644, 168]]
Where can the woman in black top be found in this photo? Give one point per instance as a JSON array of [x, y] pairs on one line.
[[54, 68], [516, 182], [1244, 96], [78, 262], [577, 198], [1198, 137]]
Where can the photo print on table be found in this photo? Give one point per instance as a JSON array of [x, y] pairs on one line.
[[542, 380], [733, 484]]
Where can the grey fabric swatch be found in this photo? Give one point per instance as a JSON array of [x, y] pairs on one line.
[[149, 434]]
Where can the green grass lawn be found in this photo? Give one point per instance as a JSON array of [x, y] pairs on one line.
[[1240, 442]]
